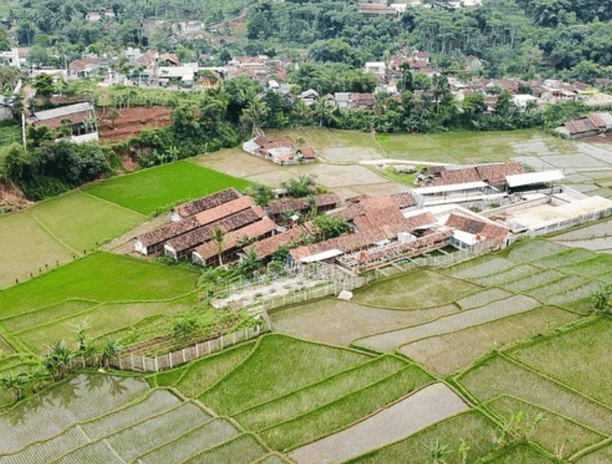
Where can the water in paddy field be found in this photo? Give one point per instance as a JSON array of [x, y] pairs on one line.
[[47, 414]]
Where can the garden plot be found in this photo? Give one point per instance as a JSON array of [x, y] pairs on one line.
[[482, 298], [79, 399], [475, 430], [317, 395], [500, 376], [340, 322], [428, 406], [585, 364], [243, 449], [481, 267], [533, 280], [573, 255], [270, 372], [600, 264], [345, 411], [451, 352], [532, 250], [555, 432], [600, 456], [508, 275], [497, 310], [416, 290]]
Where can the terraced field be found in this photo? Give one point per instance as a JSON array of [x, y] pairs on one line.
[[104, 419]]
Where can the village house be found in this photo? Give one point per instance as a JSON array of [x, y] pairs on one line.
[[373, 10], [85, 67], [593, 124], [280, 152], [322, 203]]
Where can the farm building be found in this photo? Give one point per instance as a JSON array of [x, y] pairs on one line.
[[493, 174], [469, 231], [266, 247], [280, 152], [322, 203], [79, 118], [548, 181], [456, 193], [209, 252], [202, 204], [593, 124]]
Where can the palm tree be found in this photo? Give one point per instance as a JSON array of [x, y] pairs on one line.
[[110, 348], [219, 239], [255, 113], [322, 111], [57, 359], [14, 381]]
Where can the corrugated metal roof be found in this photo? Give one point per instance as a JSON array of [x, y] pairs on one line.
[[531, 178], [450, 188], [63, 111]]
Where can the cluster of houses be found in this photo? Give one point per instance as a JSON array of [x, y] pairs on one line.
[[193, 230], [383, 229], [281, 152]]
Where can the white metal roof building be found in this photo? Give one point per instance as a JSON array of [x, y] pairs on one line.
[[534, 178]]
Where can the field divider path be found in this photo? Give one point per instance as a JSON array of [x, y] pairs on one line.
[[315, 384], [60, 319], [448, 324], [427, 406], [46, 308], [51, 234], [225, 443], [589, 449]]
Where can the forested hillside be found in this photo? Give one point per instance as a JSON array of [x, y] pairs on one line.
[[527, 38]]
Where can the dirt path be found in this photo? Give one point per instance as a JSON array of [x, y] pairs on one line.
[[426, 407]]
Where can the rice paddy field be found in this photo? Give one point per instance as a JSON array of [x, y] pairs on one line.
[[159, 188], [432, 359]]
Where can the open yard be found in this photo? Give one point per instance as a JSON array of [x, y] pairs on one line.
[[159, 188]]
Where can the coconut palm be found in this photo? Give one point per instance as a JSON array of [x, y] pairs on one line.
[[58, 358], [15, 382], [110, 348], [219, 239]]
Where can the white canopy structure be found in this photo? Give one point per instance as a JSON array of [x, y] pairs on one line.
[[533, 178]]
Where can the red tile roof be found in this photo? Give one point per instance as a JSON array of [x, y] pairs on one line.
[[202, 234], [224, 210], [254, 230], [479, 228], [580, 126], [400, 248], [170, 231], [202, 204], [326, 200], [268, 246]]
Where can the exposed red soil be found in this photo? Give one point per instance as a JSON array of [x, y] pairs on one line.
[[11, 198], [131, 121]]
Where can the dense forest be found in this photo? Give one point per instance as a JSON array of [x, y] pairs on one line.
[[526, 38]]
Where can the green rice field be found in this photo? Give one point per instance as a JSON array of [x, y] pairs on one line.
[[160, 188]]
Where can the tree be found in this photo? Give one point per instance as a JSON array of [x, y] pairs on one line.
[[327, 226], [113, 114], [299, 187], [110, 348], [43, 83], [249, 263], [57, 359], [601, 299], [4, 41], [13, 159], [219, 239], [254, 114], [15, 382]]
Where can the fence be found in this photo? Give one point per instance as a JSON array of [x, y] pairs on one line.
[[141, 363]]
